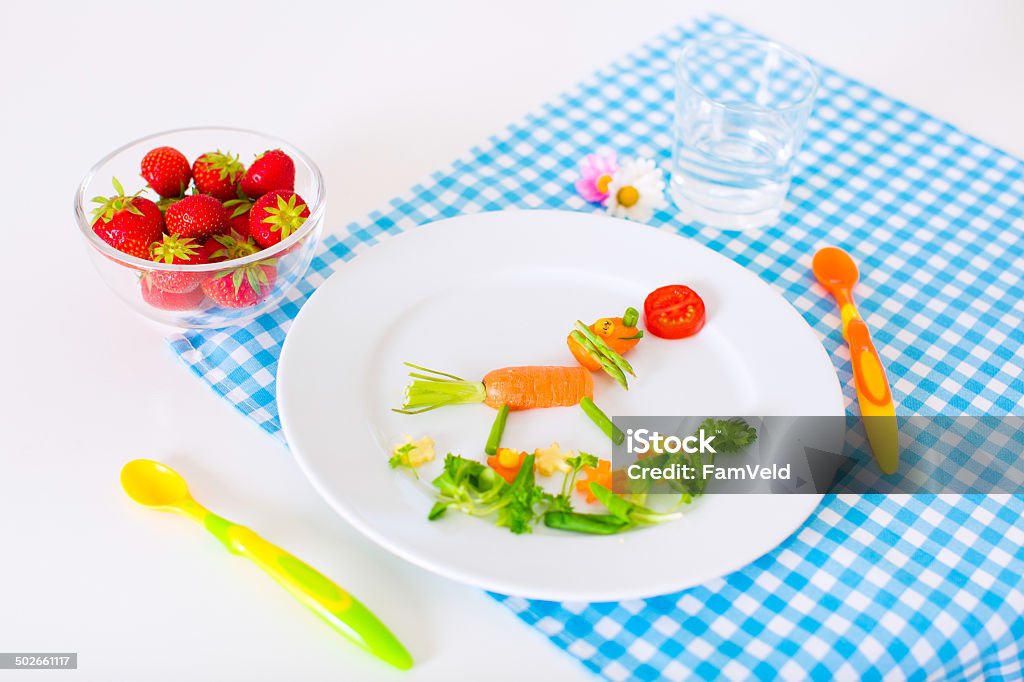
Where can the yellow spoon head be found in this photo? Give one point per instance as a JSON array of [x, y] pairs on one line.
[[153, 484]]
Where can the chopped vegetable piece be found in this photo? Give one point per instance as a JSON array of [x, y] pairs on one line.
[[600, 474], [518, 503], [520, 513], [412, 453], [498, 428], [595, 353], [549, 460], [476, 490], [674, 312], [731, 435], [595, 524], [618, 335], [507, 462], [468, 486], [630, 317], [521, 388], [627, 510], [602, 421], [623, 515], [561, 501], [604, 354]]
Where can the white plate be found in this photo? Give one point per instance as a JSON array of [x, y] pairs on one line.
[[478, 292]]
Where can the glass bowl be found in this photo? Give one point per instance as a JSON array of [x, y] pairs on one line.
[[130, 278]]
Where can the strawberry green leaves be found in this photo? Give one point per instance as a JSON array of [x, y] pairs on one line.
[[276, 216], [286, 217], [218, 174], [238, 207], [226, 166], [242, 286], [110, 206], [174, 249]]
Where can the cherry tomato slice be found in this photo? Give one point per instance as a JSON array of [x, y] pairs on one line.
[[674, 312]]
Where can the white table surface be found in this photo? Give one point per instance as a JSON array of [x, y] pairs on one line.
[[381, 94]]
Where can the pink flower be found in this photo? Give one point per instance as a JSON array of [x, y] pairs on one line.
[[595, 175]]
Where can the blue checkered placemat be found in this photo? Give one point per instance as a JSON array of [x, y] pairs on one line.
[[918, 587]]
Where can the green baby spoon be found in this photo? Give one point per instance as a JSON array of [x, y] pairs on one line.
[[156, 485]]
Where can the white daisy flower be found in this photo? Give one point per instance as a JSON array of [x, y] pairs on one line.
[[637, 190]]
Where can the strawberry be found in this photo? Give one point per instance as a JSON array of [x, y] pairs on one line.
[[242, 287], [158, 298], [271, 170], [167, 171], [239, 209], [213, 251], [128, 223], [218, 174], [276, 215], [224, 247], [240, 226], [175, 250], [166, 202], [197, 215]]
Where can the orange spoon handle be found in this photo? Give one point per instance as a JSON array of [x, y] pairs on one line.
[[874, 396], [868, 373]]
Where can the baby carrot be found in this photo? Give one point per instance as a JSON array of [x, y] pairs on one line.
[[524, 388], [520, 388]]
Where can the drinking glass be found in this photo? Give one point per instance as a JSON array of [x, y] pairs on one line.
[[741, 111]]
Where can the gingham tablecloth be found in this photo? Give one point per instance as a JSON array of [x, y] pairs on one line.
[[916, 587]]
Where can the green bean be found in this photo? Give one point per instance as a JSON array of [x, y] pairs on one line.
[[498, 428], [630, 317], [595, 524], [619, 507], [602, 421], [607, 365], [605, 349], [437, 511]]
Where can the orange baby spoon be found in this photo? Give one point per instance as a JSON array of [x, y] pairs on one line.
[[836, 271]]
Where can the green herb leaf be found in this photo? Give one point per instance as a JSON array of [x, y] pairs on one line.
[[519, 514], [731, 435]]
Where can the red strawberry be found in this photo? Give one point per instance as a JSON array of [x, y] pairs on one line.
[[197, 215], [213, 251], [271, 170], [276, 215], [175, 250], [239, 220], [158, 298], [166, 202], [167, 171], [242, 287], [240, 226], [218, 174], [129, 224], [224, 247]]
